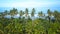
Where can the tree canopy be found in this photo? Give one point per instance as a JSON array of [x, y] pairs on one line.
[[29, 26]]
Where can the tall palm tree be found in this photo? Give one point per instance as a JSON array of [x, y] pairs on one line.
[[57, 15], [32, 13], [13, 12], [26, 12], [49, 12], [40, 13], [21, 13]]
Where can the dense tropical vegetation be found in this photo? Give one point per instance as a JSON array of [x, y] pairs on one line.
[[27, 25]]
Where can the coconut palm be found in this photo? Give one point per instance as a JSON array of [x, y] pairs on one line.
[[40, 14], [13, 12], [21, 13], [49, 12], [57, 15], [32, 13], [26, 12]]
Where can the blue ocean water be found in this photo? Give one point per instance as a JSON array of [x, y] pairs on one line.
[[43, 9]]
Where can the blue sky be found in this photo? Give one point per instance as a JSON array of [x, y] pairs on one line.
[[38, 4]]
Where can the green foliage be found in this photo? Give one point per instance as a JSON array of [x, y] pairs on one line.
[[40, 14], [49, 12], [33, 11], [13, 12], [21, 13], [29, 26], [26, 11]]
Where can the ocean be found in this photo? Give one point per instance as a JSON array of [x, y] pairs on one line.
[[37, 9]]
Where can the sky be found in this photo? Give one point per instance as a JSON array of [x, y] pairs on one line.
[[37, 4]]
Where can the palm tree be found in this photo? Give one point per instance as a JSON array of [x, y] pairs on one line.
[[32, 13], [26, 12], [49, 12], [40, 14], [13, 12], [57, 15], [21, 13]]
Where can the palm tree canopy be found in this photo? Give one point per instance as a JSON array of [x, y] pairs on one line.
[[21, 13], [40, 13], [33, 11], [26, 11], [49, 12], [13, 11]]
